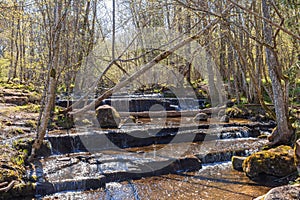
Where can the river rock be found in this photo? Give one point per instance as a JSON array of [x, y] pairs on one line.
[[230, 103], [236, 112], [108, 117], [287, 192], [201, 117], [237, 162], [224, 118], [277, 162]]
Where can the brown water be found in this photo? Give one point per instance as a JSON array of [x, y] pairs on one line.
[[186, 120], [215, 182]]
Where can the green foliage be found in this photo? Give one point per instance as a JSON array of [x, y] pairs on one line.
[[4, 64], [293, 4]]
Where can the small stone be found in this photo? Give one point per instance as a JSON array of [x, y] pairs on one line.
[[253, 119], [224, 118], [201, 117], [237, 162]]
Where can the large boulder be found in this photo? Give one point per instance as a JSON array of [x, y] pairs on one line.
[[201, 117], [278, 162], [108, 117], [287, 192]]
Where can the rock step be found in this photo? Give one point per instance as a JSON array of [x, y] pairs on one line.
[[84, 171], [104, 169], [94, 140], [17, 100], [85, 183]]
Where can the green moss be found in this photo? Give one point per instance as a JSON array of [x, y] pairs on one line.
[[276, 162], [236, 112], [11, 164], [14, 85], [64, 121], [31, 123], [16, 131], [33, 108]]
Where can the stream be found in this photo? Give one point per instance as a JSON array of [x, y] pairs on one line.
[[213, 181], [171, 166]]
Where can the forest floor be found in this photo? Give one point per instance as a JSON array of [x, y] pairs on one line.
[[18, 113]]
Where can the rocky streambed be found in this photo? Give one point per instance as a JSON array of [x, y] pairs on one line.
[[131, 163], [148, 159]]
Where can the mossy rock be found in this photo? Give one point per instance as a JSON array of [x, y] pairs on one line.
[[64, 121], [11, 164], [25, 146], [236, 112], [31, 123], [278, 162], [20, 191]]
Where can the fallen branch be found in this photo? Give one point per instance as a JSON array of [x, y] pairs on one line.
[[3, 184], [7, 188]]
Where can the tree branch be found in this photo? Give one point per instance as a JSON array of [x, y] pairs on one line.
[[149, 65], [266, 20]]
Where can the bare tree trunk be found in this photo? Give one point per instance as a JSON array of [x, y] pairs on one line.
[[282, 134], [53, 66]]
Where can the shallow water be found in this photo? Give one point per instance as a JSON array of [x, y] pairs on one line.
[[215, 181]]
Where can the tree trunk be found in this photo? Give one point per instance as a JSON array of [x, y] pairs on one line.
[[53, 66], [282, 134]]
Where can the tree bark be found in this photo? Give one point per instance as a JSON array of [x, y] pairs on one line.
[[53, 66], [282, 134]]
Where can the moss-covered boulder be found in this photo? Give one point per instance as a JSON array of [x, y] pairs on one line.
[[277, 162], [64, 122]]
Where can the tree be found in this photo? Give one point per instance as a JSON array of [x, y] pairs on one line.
[[283, 133], [52, 68]]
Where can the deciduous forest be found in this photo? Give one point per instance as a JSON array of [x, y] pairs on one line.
[[225, 51]]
